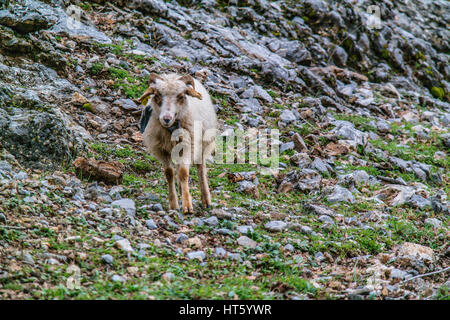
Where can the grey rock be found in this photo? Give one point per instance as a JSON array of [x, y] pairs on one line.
[[114, 193], [248, 94], [251, 105], [127, 204], [27, 258], [435, 223], [57, 257], [246, 242], [356, 177], [299, 56], [21, 128], [301, 159], [289, 247], [383, 126], [326, 219], [320, 166], [211, 221], [346, 130], [287, 116], [419, 173], [197, 222], [21, 176], [398, 274], [222, 214], [252, 122], [244, 229], [306, 230], [446, 139], [438, 206], [400, 163], [143, 246], [149, 196], [151, 224], [259, 92], [105, 211], [287, 146], [52, 261], [157, 207], [200, 255], [124, 245], [116, 237], [305, 180], [221, 252], [340, 56], [246, 186], [299, 144], [127, 104], [417, 201], [66, 24], [108, 259], [319, 209], [5, 166], [234, 256], [319, 257], [275, 226], [117, 278], [446, 119], [29, 200], [223, 231], [340, 194], [25, 21], [181, 238], [170, 222]]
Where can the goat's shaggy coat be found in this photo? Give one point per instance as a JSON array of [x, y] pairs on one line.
[[186, 101]]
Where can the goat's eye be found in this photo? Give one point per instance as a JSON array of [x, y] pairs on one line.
[[157, 98], [180, 98]]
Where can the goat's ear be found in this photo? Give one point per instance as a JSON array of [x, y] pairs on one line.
[[188, 80], [152, 78], [144, 98], [191, 87], [151, 90], [191, 92]]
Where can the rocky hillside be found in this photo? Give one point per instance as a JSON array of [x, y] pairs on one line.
[[358, 209]]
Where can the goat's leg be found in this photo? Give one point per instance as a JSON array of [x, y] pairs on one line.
[[200, 181], [204, 186], [186, 199], [169, 172]]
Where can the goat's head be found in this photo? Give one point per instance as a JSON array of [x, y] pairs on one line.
[[169, 96]]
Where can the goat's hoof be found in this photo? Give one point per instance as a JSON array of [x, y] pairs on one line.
[[188, 209]]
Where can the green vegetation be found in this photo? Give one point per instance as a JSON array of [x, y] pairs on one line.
[[438, 92], [131, 87], [97, 68], [360, 122]]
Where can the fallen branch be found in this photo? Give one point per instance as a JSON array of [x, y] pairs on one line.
[[425, 275]]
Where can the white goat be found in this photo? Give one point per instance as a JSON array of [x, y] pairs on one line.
[[181, 107]]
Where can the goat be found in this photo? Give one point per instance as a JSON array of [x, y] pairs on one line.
[[180, 107]]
